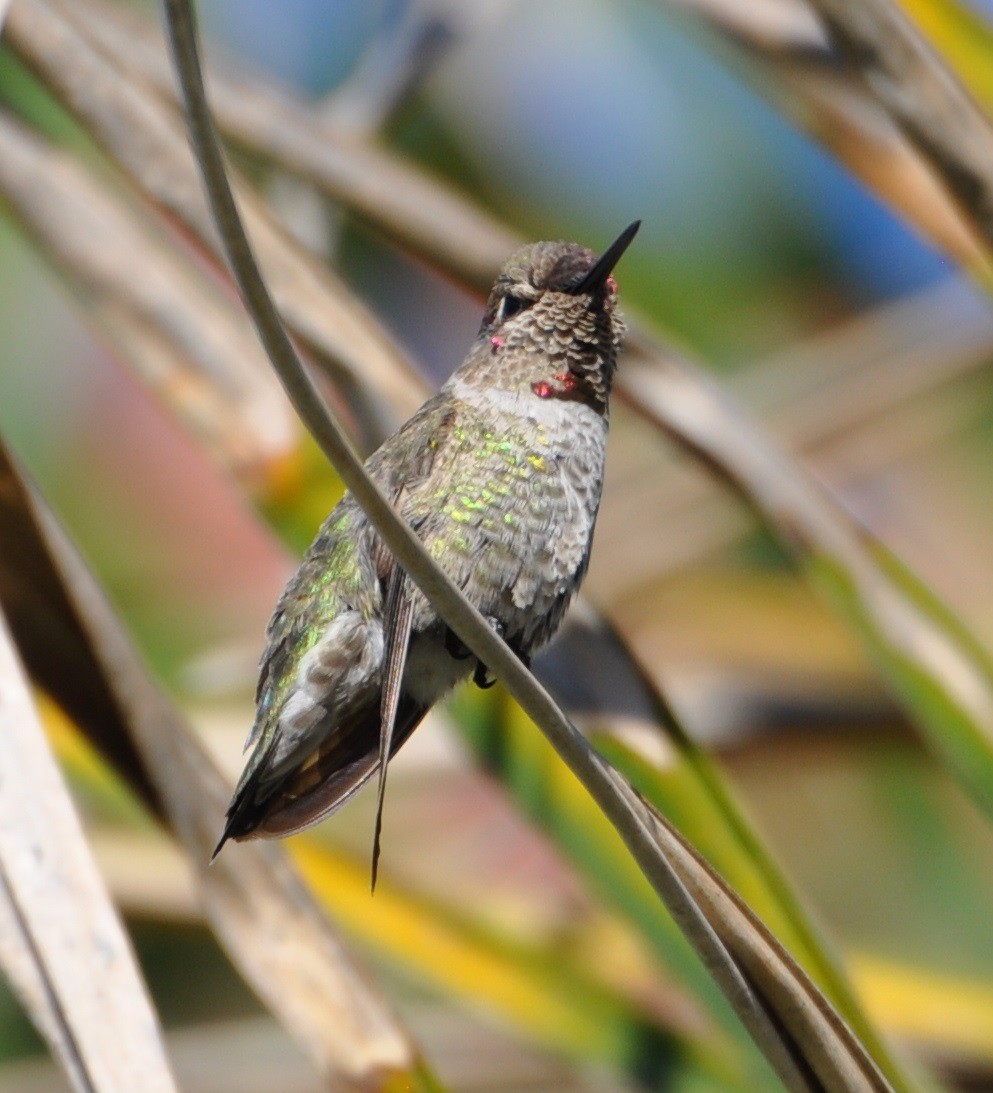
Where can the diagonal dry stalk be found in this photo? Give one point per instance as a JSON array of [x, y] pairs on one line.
[[62, 945], [186, 340], [909, 637], [824, 1043], [450, 231], [868, 394], [146, 138], [876, 92], [391, 194]]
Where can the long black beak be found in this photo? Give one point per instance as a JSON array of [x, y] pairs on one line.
[[600, 271]]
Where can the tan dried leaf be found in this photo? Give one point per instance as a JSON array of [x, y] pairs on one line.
[[62, 945]]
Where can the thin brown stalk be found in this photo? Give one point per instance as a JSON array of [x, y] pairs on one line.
[[634, 821]]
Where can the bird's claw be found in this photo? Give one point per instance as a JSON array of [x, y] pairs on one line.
[[482, 677]]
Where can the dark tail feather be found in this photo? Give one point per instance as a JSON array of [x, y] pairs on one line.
[[399, 615], [240, 820], [225, 835], [321, 784]]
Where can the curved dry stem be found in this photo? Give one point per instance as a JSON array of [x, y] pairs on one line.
[[632, 818], [893, 112], [450, 231], [854, 401]]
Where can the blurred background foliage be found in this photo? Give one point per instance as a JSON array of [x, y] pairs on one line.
[[761, 254]]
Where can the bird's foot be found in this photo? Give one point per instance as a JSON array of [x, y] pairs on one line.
[[482, 676]]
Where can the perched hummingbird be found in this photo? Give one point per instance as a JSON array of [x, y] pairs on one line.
[[500, 475]]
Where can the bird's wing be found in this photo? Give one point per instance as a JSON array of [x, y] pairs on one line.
[[303, 768]]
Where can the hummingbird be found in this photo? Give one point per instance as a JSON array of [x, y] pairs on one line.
[[500, 475]]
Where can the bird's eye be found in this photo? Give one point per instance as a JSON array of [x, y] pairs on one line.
[[511, 306]]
